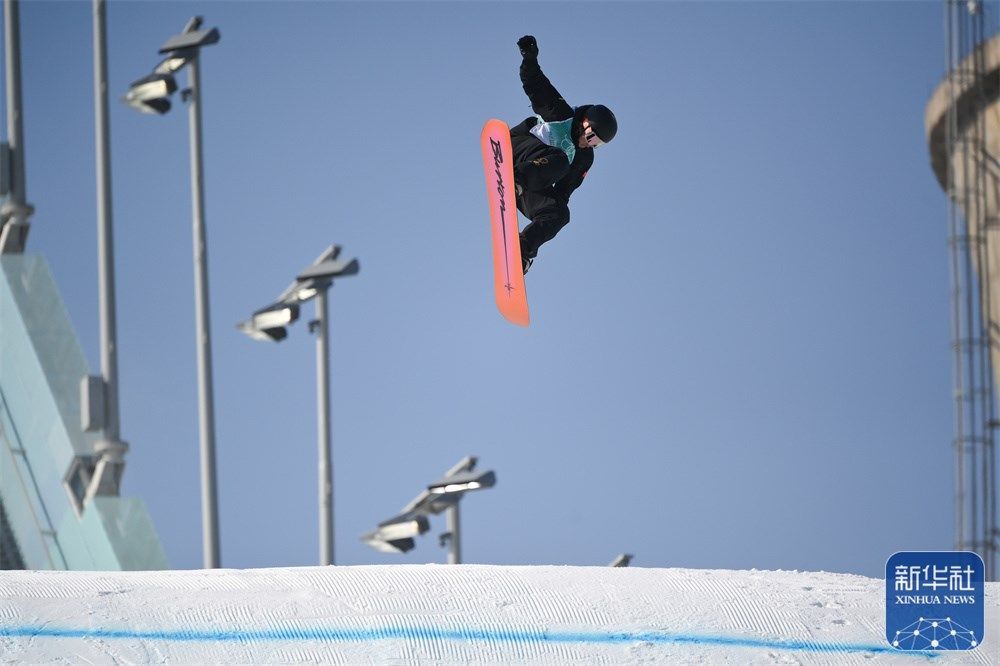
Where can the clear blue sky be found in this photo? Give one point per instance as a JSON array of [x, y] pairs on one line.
[[739, 350]]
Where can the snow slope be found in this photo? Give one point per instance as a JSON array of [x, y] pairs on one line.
[[438, 613]]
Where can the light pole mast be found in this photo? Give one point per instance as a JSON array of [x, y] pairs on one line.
[[323, 423], [110, 450], [452, 520], [16, 210], [105, 235], [206, 409], [269, 323], [151, 95]]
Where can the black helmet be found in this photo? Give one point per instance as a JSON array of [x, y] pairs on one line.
[[602, 121]]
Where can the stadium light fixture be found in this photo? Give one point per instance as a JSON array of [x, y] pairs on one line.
[[392, 546], [269, 325], [441, 496], [461, 483], [403, 526], [396, 534], [174, 62], [319, 275], [622, 560], [151, 94], [191, 39]]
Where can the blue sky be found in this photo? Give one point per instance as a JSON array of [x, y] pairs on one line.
[[739, 350]]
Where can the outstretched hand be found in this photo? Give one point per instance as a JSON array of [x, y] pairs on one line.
[[528, 46]]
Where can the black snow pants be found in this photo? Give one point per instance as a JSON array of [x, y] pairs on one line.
[[537, 167]]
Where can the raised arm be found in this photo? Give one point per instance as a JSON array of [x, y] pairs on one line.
[[545, 99]]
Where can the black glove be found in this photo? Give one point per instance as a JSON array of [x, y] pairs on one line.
[[528, 46]]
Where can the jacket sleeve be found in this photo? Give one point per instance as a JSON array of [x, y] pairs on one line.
[[545, 99], [578, 171]]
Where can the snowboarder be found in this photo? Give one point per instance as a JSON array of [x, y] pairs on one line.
[[552, 152]]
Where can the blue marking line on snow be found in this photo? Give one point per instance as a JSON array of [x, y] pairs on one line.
[[340, 635]]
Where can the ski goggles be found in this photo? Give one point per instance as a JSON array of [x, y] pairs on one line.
[[591, 136]]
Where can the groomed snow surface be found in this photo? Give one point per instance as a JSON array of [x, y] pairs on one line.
[[455, 614]]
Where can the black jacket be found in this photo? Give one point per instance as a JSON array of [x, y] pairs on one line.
[[550, 105]]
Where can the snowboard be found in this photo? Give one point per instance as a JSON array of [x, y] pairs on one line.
[[508, 275]]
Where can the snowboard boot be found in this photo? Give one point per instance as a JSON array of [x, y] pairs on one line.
[[527, 256]]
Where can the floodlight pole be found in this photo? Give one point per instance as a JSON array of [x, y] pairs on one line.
[[206, 409], [16, 211], [105, 237], [455, 542], [323, 423], [110, 450], [314, 284]]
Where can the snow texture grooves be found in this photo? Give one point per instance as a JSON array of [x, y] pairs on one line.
[[451, 614]]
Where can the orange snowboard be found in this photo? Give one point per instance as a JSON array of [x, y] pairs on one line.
[[508, 276]]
